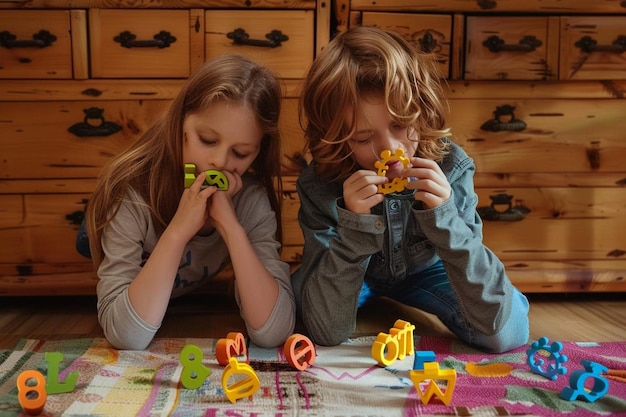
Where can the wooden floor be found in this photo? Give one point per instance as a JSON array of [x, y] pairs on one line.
[[570, 317]]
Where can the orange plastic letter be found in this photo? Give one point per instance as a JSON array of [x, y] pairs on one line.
[[245, 387], [32, 406], [233, 345], [300, 351]]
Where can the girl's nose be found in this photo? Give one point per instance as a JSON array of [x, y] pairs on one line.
[[219, 159]]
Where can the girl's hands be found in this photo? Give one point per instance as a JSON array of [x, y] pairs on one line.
[[431, 185], [220, 207], [360, 191], [192, 215]]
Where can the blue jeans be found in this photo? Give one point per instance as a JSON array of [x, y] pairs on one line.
[[430, 291]]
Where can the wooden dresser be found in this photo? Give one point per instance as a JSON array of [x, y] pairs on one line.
[[537, 93], [80, 79]]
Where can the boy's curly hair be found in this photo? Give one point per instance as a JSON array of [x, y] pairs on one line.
[[364, 60]]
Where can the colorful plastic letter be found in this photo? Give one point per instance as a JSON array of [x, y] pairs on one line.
[[577, 383], [422, 357], [384, 342], [217, 178], [190, 174], [403, 331], [398, 184], [300, 351], [245, 387], [32, 405], [232, 345], [213, 177], [194, 372], [53, 385], [553, 350], [432, 372]]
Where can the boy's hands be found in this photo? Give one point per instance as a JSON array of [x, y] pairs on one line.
[[360, 191], [431, 185]]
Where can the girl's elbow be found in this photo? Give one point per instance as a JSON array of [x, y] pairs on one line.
[[122, 342]]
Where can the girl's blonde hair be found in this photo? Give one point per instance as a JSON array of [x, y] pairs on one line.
[[153, 165], [364, 60]]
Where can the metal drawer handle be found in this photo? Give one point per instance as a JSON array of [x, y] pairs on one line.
[[510, 213], [497, 124], [526, 44], [588, 44], [161, 40], [428, 43], [241, 37], [94, 124], [40, 39]]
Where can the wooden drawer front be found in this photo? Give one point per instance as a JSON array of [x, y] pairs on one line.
[[430, 33], [68, 139], [36, 44], [292, 137], [290, 59], [139, 43], [511, 48], [593, 48], [533, 135], [45, 234], [554, 223]]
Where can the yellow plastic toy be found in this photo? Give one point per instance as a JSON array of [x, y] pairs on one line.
[[398, 343], [244, 387], [430, 373], [397, 184]]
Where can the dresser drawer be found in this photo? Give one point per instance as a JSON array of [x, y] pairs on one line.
[[593, 48], [511, 48], [430, 33], [35, 44], [541, 135], [75, 139], [553, 223], [139, 43], [44, 237], [282, 40], [68, 139]]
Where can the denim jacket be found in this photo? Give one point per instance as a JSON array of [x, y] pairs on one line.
[[400, 237]]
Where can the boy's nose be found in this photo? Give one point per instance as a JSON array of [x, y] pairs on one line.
[[387, 143]]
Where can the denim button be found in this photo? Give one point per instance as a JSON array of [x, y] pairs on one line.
[[393, 206], [378, 224]]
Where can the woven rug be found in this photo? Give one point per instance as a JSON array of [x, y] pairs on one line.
[[344, 381]]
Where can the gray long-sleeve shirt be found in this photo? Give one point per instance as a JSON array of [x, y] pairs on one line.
[[130, 238]]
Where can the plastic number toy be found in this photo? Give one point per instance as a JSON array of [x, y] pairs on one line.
[[213, 177]]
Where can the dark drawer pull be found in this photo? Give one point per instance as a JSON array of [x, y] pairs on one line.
[[428, 43], [94, 124], [40, 39], [526, 44], [510, 123], [161, 40], [501, 209], [241, 37], [588, 44]]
